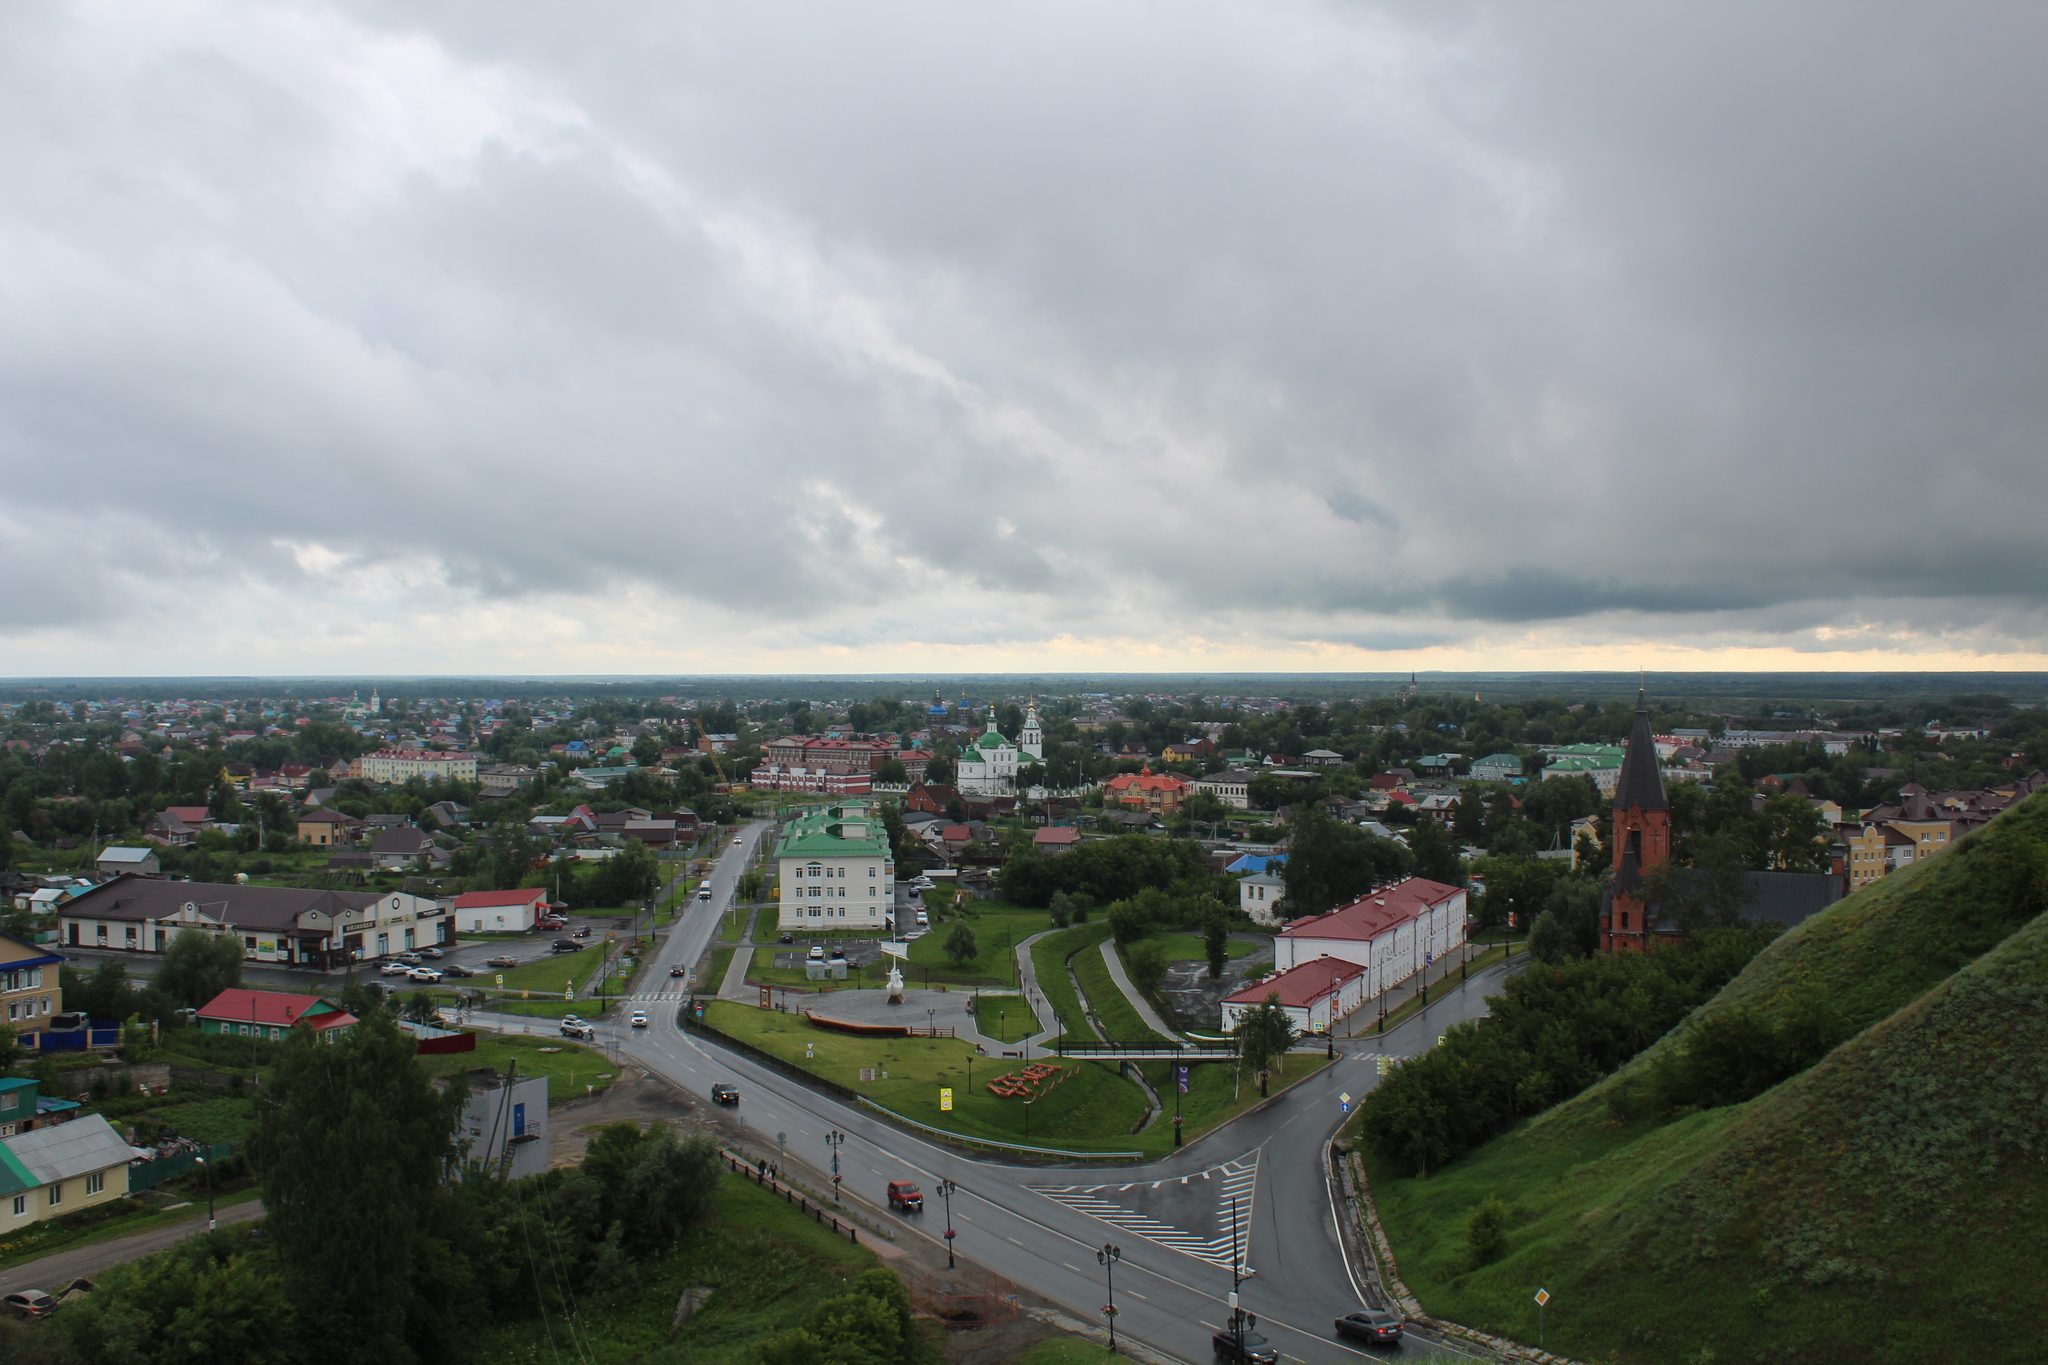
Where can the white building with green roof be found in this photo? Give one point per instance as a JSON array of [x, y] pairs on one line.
[[834, 869], [989, 766]]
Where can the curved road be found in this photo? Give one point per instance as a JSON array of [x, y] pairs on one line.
[[1039, 1226]]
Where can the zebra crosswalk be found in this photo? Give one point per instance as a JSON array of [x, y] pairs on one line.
[[1231, 1185]]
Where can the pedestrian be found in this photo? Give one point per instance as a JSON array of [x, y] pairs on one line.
[[762, 1163], [774, 1170]]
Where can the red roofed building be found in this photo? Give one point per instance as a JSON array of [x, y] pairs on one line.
[[1314, 996], [1393, 932], [493, 912], [1161, 793], [272, 1014], [1055, 839]]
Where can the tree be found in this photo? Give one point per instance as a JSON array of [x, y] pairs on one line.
[[1569, 923], [1435, 856], [198, 966], [1148, 966], [960, 947], [1794, 833], [631, 874], [1263, 1033], [1711, 892], [654, 1184], [892, 770], [939, 770], [352, 1148], [10, 1048], [1216, 940], [1329, 864], [1075, 905]]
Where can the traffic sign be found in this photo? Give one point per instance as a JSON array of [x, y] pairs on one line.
[[945, 1098], [1542, 1297], [1344, 1098], [1344, 1107], [500, 978]]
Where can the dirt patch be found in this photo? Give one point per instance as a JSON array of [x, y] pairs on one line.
[[635, 1097], [997, 1345]]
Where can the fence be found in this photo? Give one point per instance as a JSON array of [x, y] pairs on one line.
[[101, 1033], [147, 1175], [772, 1185]]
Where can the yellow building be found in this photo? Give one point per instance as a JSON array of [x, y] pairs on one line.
[[29, 991], [59, 1168]]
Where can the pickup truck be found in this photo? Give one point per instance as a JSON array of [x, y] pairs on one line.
[[905, 1195]]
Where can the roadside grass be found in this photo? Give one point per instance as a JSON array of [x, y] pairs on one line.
[[1094, 1110], [569, 1068], [548, 974], [714, 975], [766, 1264], [38, 1240], [738, 925], [998, 928], [1004, 1017], [1119, 1018], [1191, 948], [1049, 961], [766, 973], [1065, 1351]]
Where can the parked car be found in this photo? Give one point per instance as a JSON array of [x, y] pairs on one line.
[[905, 1195], [29, 1303], [396, 968], [1371, 1324], [787, 938], [581, 1031], [457, 969], [427, 974], [639, 1019], [565, 945], [923, 920], [409, 957], [501, 962], [1252, 1349], [725, 1094], [429, 952], [817, 953]]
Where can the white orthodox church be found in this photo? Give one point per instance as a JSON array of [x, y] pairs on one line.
[[989, 766]]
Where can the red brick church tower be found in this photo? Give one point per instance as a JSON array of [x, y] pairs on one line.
[[1642, 838]]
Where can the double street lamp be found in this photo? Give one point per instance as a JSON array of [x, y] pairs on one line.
[[835, 1140], [946, 1188], [1107, 1259]]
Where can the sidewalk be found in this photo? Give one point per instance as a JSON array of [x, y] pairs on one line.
[[734, 986], [1027, 984], [1115, 962], [1364, 1021], [61, 1267]]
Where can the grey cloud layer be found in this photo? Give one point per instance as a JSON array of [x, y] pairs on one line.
[[1342, 322]]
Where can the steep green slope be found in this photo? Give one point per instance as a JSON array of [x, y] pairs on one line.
[[1889, 1203]]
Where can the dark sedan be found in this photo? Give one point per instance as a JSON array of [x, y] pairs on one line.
[[1371, 1325]]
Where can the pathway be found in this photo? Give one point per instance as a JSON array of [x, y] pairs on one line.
[[59, 1268], [1027, 982], [734, 985], [1115, 962]]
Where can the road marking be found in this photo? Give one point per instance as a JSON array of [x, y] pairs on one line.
[[1234, 1190]]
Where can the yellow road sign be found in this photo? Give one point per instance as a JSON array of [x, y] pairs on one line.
[[1542, 1297], [945, 1099]]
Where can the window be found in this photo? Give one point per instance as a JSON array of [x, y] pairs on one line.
[[95, 1183], [249, 945], [56, 1194], [102, 931], [20, 1203], [128, 933]]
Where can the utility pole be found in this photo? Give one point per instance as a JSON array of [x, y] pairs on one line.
[[946, 1188], [1237, 1316], [1107, 1259]]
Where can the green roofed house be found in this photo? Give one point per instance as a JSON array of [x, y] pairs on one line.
[[273, 1015], [1496, 768], [1601, 762], [836, 871]]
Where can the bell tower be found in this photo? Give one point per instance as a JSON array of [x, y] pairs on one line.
[[1642, 838]]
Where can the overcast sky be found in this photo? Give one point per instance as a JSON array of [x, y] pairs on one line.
[[549, 338]]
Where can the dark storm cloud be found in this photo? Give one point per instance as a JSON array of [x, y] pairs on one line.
[[1052, 320]]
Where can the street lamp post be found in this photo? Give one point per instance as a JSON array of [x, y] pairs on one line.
[[835, 1140], [209, 1191], [1027, 1120], [1107, 1259], [946, 1188], [1237, 1318]]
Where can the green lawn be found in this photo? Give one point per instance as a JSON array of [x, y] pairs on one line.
[[1004, 1016], [1120, 1020], [1190, 948], [766, 973], [1066, 1351], [998, 927], [767, 1264], [1048, 959], [1093, 1111], [569, 1068], [549, 975], [714, 976], [735, 926]]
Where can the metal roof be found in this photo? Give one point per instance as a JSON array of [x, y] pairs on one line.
[[63, 1151]]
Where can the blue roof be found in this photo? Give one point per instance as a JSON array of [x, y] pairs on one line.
[[1255, 862]]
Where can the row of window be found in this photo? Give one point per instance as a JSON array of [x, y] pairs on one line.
[[96, 1183], [28, 1009], [21, 979], [815, 870]]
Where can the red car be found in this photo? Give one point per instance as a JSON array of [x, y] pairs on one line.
[[906, 1196]]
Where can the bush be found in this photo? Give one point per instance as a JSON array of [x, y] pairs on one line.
[[1486, 1233]]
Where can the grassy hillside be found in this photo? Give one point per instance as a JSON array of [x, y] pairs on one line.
[[1889, 1203]]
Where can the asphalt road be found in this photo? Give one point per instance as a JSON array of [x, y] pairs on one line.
[[1041, 1226]]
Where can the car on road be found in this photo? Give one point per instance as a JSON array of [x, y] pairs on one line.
[[787, 938], [582, 1031], [677, 971], [905, 1195], [396, 968], [501, 962], [1251, 1349], [639, 1019], [725, 1094], [704, 894], [923, 920], [1371, 1324], [580, 931], [565, 945], [736, 839], [817, 953], [427, 974], [429, 952], [29, 1303], [574, 1019], [457, 969]]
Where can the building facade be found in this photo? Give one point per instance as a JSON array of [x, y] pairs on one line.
[[286, 925], [1232, 787], [990, 765], [1393, 932], [834, 870], [397, 765], [29, 985], [1642, 839]]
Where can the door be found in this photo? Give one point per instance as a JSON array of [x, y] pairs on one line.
[[519, 1120]]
